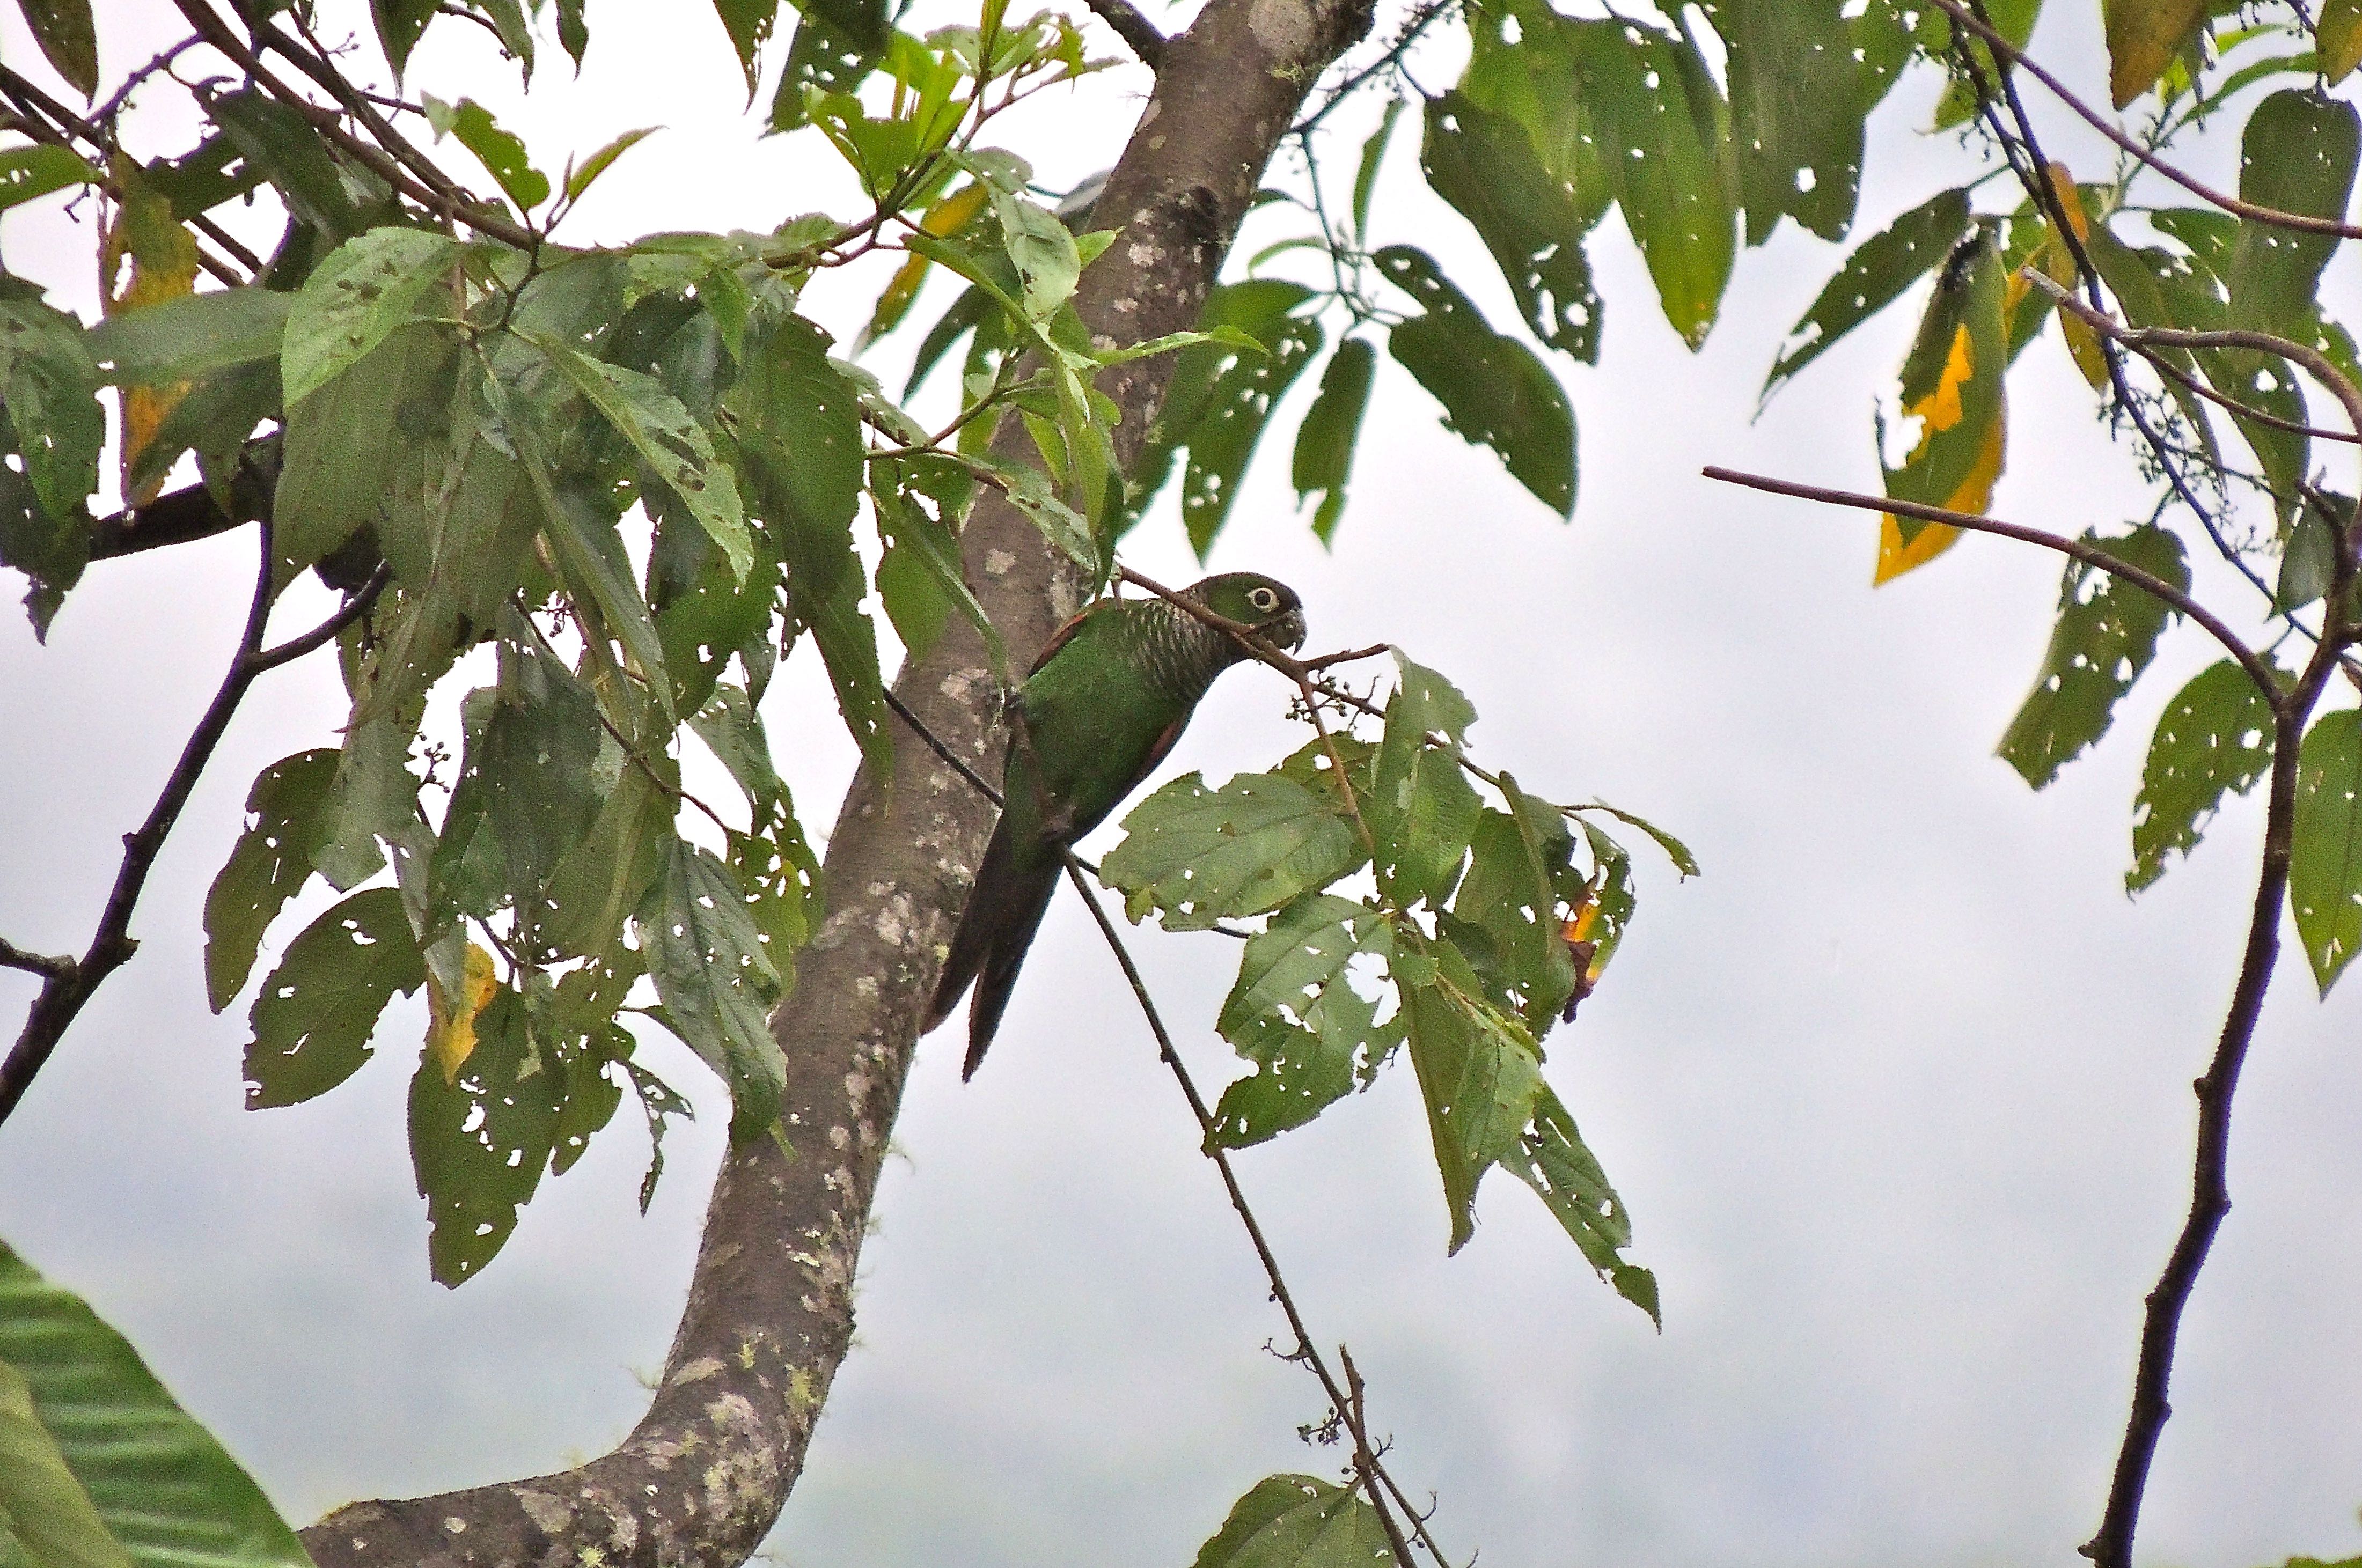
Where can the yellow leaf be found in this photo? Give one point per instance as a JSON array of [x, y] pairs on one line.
[[451, 1032], [1975, 494], [1941, 407], [162, 257], [943, 220], [2143, 37], [2340, 36]]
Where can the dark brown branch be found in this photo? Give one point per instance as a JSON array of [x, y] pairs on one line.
[[45, 964], [183, 516], [1346, 1404], [1138, 33], [2089, 554], [2210, 1198], [2010, 53]]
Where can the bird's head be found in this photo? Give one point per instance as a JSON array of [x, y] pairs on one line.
[[1267, 604]]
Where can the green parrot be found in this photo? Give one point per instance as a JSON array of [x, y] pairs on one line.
[[1100, 708]]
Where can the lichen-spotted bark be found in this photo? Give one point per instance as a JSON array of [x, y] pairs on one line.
[[769, 1316]]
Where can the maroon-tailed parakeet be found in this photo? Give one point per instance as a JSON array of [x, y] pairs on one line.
[[1101, 707]]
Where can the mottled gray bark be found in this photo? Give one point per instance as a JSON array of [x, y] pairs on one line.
[[769, 1316]]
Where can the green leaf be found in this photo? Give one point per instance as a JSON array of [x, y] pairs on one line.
[[331, 485], [705, 613], [2325, 862], [1566, 1176], [50, 387], [179, 339], [1872, 278], [545, 762], [1504, 916], [1197, 855], [710, 969], [272, 860], [28, 172], [69, 41], [43, 1510], [573, 33], [354, 300], [399, 23], [166, 1491], [1365, 176], [1042, 250], [2143, 37], [799, 430], [281, 142], [599, 162], [313, 1016], [2106, 634], [1421, 809], [479, 1141], [499, 151], [2339, 33], [672, 443], [1295, 1016], [1299, 1521], [748, 23], [1479, 1072], [1951, 383], [2214, 738], [1495, 392], [597, 883], [1325, 441], [1794, 79], [2297, 155], [1486, 166]]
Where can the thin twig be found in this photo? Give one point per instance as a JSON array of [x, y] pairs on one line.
[[1130, 23], [115, 106], [45, 964], [355, 607], [2089, 554], [1365, 1458], [2009, 52], [1339, 1398]]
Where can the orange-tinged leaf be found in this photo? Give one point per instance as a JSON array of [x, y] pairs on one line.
[[2144, 36], [943, 220], [1941, 407], [162, 257], [451, 1031], [1975, 494]]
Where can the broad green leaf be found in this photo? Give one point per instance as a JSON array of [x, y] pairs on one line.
[[598, 884], [2013, 19], [1495, 392], [1042, 250], [2297, 155], [26, 172], [272, 860], [2339, 32], [68, 39], [1794, 80], [732, 728], [1299, 1521], [373, 798], [799, 430], [573, 33], [331, 485], [1951, 384], [1333, 425], [674, 447], [1479, 1072], [50, 387], [1197, 855], [708, 959], [2214, 739], [1486, 166], [748, 23], [399, 23], [2105, 636], [1421, 809], [1505, 914], [43, 1510], [313, 1016], [354, 300], [1220, 398], [480, 1140], [179, 339], [1566, 1176], [2325, 862], [599, 162], [281, 142], [499, 151], [2143, 37], [167, 1494], [1294, 1013], [705, 613], [1872, 278], [545, 764], [826, 56], [213, 421]]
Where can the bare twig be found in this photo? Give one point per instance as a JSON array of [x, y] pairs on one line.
[[355, 607], [1365, 1458], [45, 964], [2011, 54], [2090, 556], [1130, 23], [69, 984]]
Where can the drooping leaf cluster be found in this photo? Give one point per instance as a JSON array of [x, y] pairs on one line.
[[1487, 919]]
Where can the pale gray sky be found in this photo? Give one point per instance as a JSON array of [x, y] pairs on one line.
[[1898, 1092]]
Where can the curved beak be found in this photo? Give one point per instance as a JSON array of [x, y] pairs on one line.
[[1289, 630]]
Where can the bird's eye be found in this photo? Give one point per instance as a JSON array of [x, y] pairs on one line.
[[1263, 599]]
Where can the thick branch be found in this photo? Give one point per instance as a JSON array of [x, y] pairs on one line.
[[1138, 33], [769, 1315]]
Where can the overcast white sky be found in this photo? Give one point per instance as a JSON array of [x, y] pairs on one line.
[[1898, 1092]]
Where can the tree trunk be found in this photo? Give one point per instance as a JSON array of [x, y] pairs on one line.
[[702, 1477]]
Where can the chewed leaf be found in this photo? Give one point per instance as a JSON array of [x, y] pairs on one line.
[[1197, 855], [1295, 1014], [2214, 739], [2106, 634]]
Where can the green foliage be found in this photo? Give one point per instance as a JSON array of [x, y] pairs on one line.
[[98, 1466], [2106, 634], [28, 172], [315, 1012], [2214, 739], [2325, 860], [1299, 1521]]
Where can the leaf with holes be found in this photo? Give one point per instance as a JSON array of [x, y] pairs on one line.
[[68, 39], [1495, 392], [354, 300], [1479, 1072], [1554, 1161], [1871, 278], [500, 151], [28, 172], [480, 1140], [1794, 78], [708, 959], [314, 1015], [1299, 1521], [2214, 739], [2105, 636], [1486, 166], [1197, 855], [272, 860], [1422, 808], [2325, 862], [1295, 1014]]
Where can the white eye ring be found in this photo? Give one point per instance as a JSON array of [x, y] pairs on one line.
[[1263, 599]]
